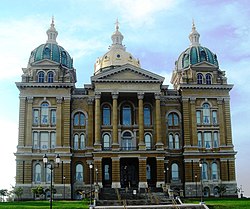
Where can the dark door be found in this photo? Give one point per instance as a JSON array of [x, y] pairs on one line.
[[106, 172], [151, 172], [129, 174]]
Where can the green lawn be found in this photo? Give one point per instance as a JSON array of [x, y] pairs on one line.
[[45, 205], [224, 203]]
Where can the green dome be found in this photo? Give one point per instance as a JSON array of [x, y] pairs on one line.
[[51, 51], [196, 54]]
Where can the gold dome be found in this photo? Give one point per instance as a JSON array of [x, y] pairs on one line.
[[116, 56]]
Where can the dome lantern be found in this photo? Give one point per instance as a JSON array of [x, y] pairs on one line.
[[194, 36], [117, 37], [52, 33]]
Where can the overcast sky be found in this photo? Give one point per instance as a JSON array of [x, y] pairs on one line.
[[155, 32]]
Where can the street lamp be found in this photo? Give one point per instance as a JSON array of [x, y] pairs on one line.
[[64, 187], [51, 167], [200, 164], [96, 176], [90, 177], [195, 176]]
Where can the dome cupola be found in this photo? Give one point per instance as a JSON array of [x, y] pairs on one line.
[[51, 50], [195, 53], [116, 56]]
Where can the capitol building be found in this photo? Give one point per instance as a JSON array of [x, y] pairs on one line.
[[134, 130]]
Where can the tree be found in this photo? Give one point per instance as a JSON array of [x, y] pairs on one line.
[[222, 189], [18, 191], [3, 193], [38, 191]]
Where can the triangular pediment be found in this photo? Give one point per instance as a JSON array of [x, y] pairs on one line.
[[204, 64], [127, 73], [45, 62]]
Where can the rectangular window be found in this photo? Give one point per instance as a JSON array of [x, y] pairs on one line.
[[35, 117], [126, 115], [44, 138], [214, 115], [35, 140], [199, 139], [53, 117], [147, 118], [106, 116], [198, 117], [53, 140], [208, 140], [216, 141]]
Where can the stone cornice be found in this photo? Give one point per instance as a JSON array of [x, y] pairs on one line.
[[204, 86], [21, 85]]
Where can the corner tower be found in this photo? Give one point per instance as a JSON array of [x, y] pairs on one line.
[[206, 120]]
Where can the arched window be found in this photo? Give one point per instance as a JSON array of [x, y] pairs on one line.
[[38, 172], [79, 119], [170, 141], [126, 141], [203, 56], [41, 76], [175, 171], [204, 171], [148, 141], [106, 115], [106, 142], [64, 58], [199, 78], [44, 113], [147, 115], [186, 60], [208, 79], [176, 141], [48, 174], [214, 171], [82, 141], [50, 77], [126, 115], [46, 53], [206, 113], [76, 141], [79, 173], [173, 119]]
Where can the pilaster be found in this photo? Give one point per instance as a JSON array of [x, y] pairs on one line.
[[115, 145], [90, 123], [28, 135], [142, 172], [141, 122], [160, 171], [97, 144], [116, 172], [159, 144], [59, 121]]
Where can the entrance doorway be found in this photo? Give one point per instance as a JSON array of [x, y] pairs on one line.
[[151, 172], [129, 172], [107, 172]]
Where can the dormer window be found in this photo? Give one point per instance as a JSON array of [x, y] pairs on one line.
[[199, 78], [46, 53], [64, 58], [203, 56], [208, 79], [41, 76]]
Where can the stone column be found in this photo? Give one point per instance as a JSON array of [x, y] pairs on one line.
[[59, 122], [97, 144], [21, 132], [141, 122], [90, 123], [65, 139], [160, 171], [159, 144], [28, 132], [116, 172], [115, 144], [142, 172]]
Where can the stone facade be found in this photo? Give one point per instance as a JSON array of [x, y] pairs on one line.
[[133, 129]]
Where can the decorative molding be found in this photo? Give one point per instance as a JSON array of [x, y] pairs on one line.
[[157, 95], [115, 95], [140, 95]]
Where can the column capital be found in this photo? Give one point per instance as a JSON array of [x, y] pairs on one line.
[[90, 101], [115, 95], [59, 100], [97, 95], [30, 99], [158, 95], [140, 95], [192, 100]]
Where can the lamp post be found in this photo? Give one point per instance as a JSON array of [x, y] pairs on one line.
[[96, 176], [64, 187], [51, 167], [200, 164], [195, 176], [90, 177]]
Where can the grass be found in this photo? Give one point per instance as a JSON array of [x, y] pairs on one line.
[[212, 203], [45, 205], [223, 203]]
